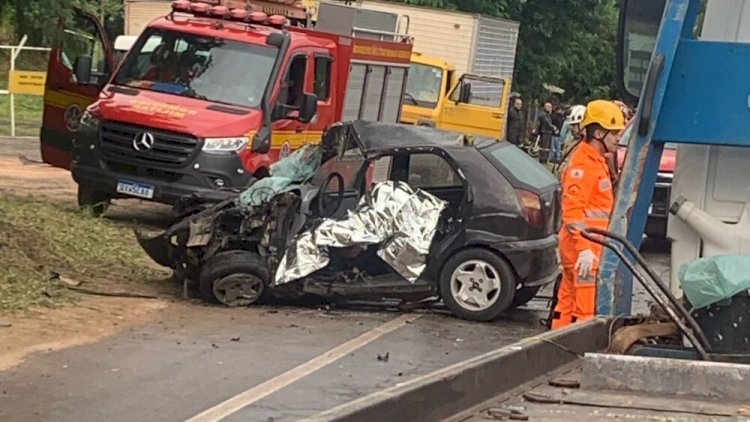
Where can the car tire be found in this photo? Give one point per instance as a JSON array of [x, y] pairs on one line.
[[92, 202], [524, 296], [234, 278], [498, 278]]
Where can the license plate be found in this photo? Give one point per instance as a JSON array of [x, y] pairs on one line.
[[138, 189]]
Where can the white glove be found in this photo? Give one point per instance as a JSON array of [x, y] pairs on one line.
[[585, 262]]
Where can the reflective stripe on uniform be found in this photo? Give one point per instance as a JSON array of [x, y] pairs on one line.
[[576, 225], [596, 214]]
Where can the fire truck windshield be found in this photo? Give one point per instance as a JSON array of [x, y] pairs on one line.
[[207, 68]]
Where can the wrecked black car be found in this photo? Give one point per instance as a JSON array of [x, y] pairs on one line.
[[379, 211]]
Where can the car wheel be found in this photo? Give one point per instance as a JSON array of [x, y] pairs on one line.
[[234, 278], [524, 296], [92, 202], [477, 285]]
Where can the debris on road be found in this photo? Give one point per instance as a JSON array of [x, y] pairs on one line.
[[66, 280], [385, 357], [5, 324], [235, 339], [112, 294]]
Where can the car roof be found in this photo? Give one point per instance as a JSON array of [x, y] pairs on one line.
[[379, 136]]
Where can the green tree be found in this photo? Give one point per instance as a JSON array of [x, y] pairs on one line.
[[38, 18], [570, 44]]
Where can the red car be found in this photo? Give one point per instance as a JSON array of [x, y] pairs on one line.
[[656, 225]]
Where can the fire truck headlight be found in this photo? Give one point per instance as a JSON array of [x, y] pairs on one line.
[[224, 144]]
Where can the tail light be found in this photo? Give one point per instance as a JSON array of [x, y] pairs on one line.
[[531, 207]]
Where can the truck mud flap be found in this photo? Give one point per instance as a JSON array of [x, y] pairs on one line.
[[451, 390]]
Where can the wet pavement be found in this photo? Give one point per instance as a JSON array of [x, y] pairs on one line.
[[194, 357]]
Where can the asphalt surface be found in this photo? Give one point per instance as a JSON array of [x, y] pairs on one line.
[[193, 359], [281, 361]]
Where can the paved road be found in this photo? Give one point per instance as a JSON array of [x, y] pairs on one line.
[[255, 364], [193, 358]]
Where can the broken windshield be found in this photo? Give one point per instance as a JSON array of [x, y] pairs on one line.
[[195, 66]]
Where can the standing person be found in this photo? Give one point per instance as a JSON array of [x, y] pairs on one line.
[[515, 122], [570, 134], [558, 118], [587, 202], [545, 129]]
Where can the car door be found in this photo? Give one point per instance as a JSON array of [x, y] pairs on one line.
[[476, 105], [81, 39]]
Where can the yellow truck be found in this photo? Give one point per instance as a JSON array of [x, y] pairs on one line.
[[436, 96]]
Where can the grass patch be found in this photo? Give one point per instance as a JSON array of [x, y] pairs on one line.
[[38, 237], [29, 110]]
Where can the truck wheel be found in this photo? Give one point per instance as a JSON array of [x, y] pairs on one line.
[[524, 296], [477, 285], [92, 202], [234, 278]]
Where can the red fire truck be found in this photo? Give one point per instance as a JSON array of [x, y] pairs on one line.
[[206, 99]]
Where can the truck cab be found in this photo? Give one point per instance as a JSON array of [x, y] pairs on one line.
[[436, 96], [205, 100]]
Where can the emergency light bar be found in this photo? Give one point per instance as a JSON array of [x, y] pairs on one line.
[[243, 11]]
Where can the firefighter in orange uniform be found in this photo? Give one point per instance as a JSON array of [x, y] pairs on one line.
[[587, 202]]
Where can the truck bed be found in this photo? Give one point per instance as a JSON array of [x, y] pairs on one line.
[[555, 397], [566, 375]]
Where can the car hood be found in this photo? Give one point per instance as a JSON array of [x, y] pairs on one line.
[[666, 165], [175, 113]]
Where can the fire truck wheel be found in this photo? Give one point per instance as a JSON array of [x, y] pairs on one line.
[[234, 278], [92, 202]]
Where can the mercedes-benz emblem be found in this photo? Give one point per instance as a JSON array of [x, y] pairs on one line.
[[143, 141]]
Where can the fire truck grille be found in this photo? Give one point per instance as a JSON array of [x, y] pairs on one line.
[[136, 144]]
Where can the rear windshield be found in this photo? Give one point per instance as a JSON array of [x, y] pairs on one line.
[[523, 168]]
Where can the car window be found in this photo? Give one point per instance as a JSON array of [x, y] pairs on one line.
[[323, 77], [380, 170], [347, 166], [481, 92], [294, 83], [81, 38], [524, 168], [431, 171]]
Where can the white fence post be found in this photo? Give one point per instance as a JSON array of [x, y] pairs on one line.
[[15, 50], [13, 55]]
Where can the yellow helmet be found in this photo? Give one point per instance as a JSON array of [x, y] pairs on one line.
[[605, 113]]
